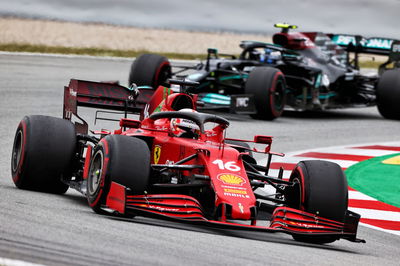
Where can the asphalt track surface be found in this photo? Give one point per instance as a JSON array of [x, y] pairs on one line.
[[63, 230]]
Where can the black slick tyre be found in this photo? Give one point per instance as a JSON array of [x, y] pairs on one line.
[[268, 86], [388, 94], [150, 70], [43, 153], [121, 159], [322, 190]]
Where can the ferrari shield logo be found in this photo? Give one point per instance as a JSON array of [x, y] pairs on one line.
[[157, 153]]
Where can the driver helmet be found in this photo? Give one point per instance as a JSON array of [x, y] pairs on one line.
[[270, 56], [185, 128]]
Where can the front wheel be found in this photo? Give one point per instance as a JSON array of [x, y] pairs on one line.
[[322, 190], [268, 86], [121, 159]]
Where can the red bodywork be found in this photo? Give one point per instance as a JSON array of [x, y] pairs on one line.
[[300, 41], [210, 159], [295, 40], [221, 162]]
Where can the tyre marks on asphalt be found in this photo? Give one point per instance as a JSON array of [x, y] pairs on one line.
[[374, 213]]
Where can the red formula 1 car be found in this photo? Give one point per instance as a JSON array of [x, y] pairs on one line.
[[178, 165]]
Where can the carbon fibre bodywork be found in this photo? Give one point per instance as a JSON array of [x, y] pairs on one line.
[[321, 71]]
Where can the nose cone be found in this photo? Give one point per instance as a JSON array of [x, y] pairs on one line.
[[235, 192], [234, 195]]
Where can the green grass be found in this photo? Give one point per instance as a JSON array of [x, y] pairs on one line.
[[14, 47]]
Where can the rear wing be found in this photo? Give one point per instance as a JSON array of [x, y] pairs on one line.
[[102, 95], [373, 45]]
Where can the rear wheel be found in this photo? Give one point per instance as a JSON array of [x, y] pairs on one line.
[[121, 159], [322, 190], [388, 94], [150, 70], [43, 153], [268, 86]]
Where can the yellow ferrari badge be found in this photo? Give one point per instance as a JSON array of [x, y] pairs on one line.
[[157, 153]]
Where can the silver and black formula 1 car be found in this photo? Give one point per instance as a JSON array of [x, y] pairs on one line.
[[298, 71]]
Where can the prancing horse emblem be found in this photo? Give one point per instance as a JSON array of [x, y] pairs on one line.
[[157, 153]]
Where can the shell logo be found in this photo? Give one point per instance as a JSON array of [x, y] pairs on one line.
[[231, 179]]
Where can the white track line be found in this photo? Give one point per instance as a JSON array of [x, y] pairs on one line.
[[296, 159], [377, 214], [353, 195], [395, 232], [359, 196], [366, 152], [10, 262]]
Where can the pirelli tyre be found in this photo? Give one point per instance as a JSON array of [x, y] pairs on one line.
[[43, 153], [322, 190], [268, 86], [388, 94], [150, 70], [121, 159]]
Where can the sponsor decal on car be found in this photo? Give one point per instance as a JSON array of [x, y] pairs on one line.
[[72, 92], [236, 195], [237, 191], [377, 43], [396, 48], [233, 187], [157, 153], [242, 101], [158, 208], [231, 179], [305, 225]]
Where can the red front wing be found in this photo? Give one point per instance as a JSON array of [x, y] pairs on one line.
[[184, 208]]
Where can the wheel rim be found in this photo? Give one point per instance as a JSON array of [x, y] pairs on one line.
[[297, 193], [95, 173], [17, 151], [278, 95]]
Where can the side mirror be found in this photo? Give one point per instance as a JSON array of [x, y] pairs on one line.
[[129, 123], [264, 140]]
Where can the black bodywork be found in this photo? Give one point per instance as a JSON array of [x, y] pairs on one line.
[[321, 71]]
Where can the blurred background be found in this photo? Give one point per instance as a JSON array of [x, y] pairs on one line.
[[365, 17]]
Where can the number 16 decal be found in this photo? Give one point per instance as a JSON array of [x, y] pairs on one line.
[[231, 165]]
